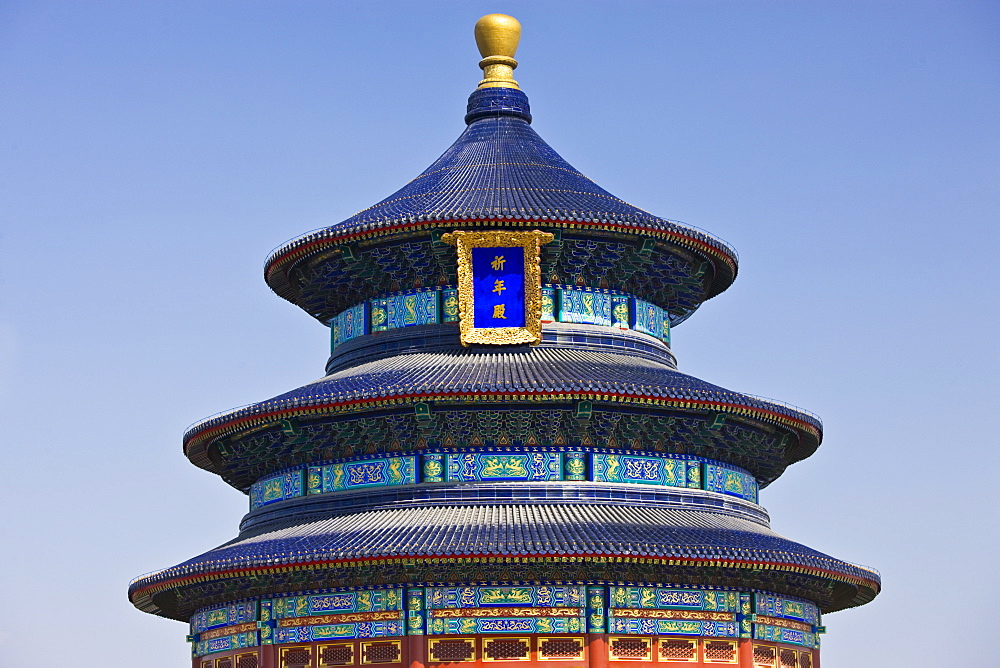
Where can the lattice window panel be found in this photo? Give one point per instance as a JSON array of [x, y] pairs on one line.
[[296, 657], [720, 651], [336, 655], [788, 658], [631, 649], [507, 649], [565, 649], [679, 650], [224, 663], [247, 661], [207, 664], [381, 652], [453, 650], [764, 656], [805, 660]]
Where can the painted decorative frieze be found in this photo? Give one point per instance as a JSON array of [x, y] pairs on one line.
[[225, 643], [449, 305], [489, 467], [726, 480], [228, 615], [668, 598], [373, 613], [516, 609], [686, 627], [416, 619], [371, 600], [495, 465], [584, 306], [550, 305], [379, 472], [786, 608], [662, 471], [426, 306], [669, 611], [287, 485], [350, 324], [648, 319], [224, 628], [500, 610], [784, 635], [415, 308]]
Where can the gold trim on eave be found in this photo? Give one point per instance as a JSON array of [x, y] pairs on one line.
[[532, 241]]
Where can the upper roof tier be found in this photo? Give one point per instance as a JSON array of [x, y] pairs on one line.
[[500, 173]]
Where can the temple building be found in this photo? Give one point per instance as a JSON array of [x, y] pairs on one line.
[[503, 465]]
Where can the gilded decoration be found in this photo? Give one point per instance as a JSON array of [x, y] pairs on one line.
[[229, 631], [786, 623], [497, 36], [341, 618], [465, 242], [506, 612], [639, 613]]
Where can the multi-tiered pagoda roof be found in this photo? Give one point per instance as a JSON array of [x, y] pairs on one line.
[[584, 459]]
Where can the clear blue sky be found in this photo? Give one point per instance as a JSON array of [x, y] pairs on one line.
[[152, 153]]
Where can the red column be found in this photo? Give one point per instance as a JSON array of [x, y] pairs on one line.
[[597, 648], [745, 651], [416, 651], [268, 656]]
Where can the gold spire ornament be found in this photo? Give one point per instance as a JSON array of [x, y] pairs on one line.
[[497, 36]]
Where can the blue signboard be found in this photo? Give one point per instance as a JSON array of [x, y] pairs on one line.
[[498, 286]]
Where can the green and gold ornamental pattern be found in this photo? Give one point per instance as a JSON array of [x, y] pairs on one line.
[[434, 306], [495, 610], [504, 465]]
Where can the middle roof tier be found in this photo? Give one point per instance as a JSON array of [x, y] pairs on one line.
[[572, 390]]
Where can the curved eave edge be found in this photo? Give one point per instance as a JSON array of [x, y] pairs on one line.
[[200, 437], [282, 260], [142, 590]]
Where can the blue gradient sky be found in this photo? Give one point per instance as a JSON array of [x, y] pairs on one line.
[[153, 152]]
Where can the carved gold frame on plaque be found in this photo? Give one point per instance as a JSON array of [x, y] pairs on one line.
[[532, 242]]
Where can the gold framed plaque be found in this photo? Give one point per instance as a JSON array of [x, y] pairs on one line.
[[499, 285]]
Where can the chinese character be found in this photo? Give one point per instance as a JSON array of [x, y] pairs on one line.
[[498, 262], [498, 311], [498, 286]]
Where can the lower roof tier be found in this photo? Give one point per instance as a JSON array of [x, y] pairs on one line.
[[567, 542], [572, 389]]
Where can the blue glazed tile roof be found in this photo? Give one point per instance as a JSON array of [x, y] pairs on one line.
[[474, 370], [500, 173], [305, 509], [561, 369], [500, 170], [500, 167], [516, 530]]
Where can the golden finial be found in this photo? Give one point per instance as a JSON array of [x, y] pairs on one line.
[[497, 36]]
